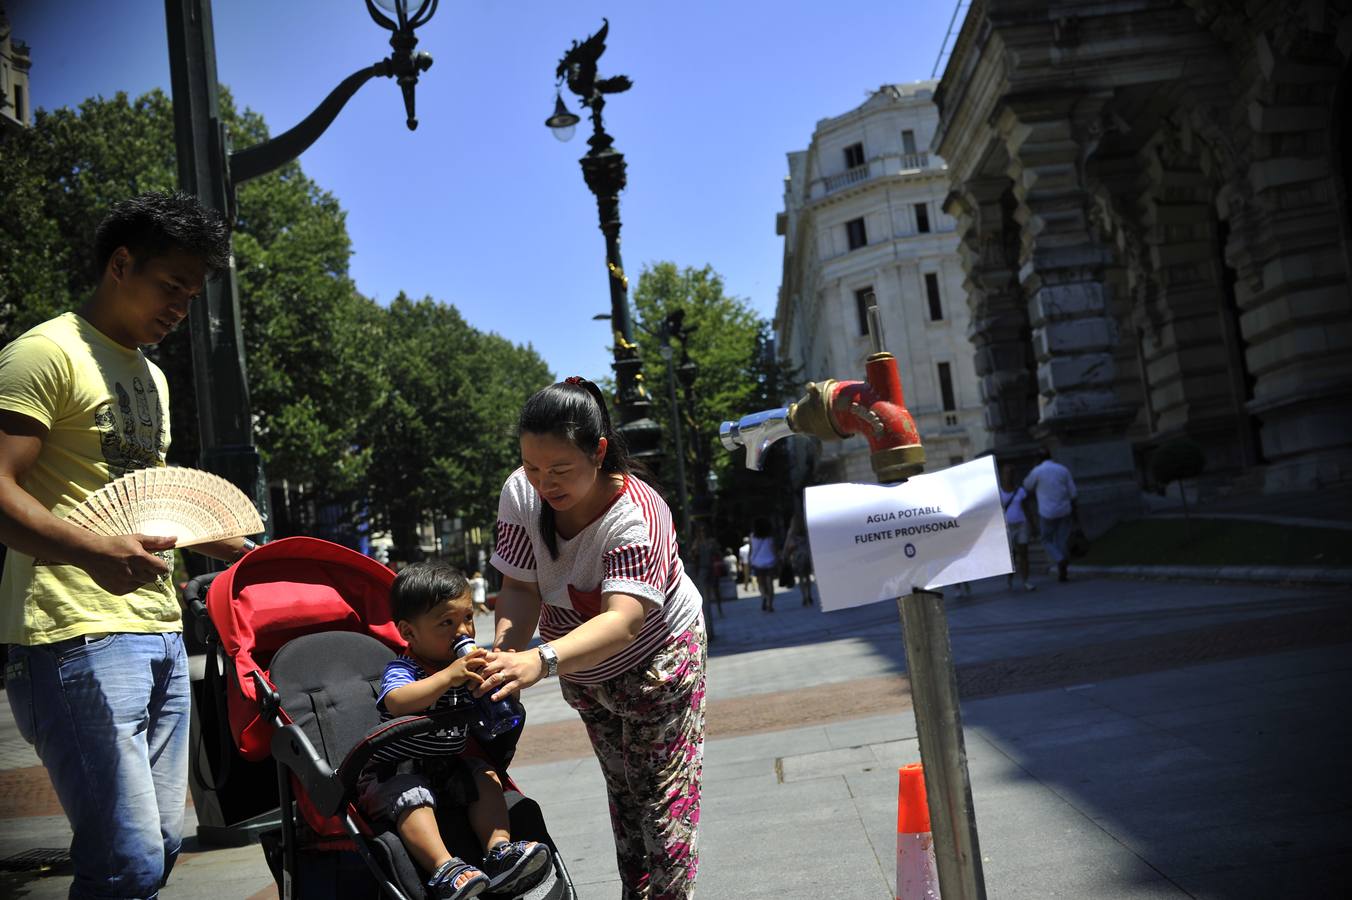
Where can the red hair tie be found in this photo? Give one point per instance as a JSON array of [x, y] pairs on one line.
[[574, 379]]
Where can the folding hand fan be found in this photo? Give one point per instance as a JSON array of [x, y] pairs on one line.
[[188, 504]]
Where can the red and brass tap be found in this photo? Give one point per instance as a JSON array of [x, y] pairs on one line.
[[875, 408], [832, 410]]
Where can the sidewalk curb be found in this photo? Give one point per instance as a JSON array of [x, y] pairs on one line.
[[1276, 575]]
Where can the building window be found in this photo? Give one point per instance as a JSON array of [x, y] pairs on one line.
[[18, 104], [854, 156], [855, 235], [946, 387], [922, 218], [863, 299], [908, 142], [932, 292]]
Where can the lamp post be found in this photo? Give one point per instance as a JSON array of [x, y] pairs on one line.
[[671, 327], [209, 169], [242, 804], [603, 168]]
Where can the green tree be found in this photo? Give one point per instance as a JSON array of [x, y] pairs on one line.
[[409, 411], [59, 178], [443, 437], [313, 369], [737, 373]]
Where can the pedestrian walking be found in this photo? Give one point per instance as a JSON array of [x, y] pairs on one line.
[[799, 554], [97, 675], [1054, 488], [744, 563], [764, 559], [478, 591], [732, 574], [588, 552], [705, 564], [707, 568], [1012, 498]]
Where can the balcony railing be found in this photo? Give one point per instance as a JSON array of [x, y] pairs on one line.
[[911, 162], [846, 178], [888, 164]]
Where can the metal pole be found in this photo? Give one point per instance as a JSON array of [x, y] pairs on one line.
[[225, 426], [676, 429], [608, 210], [938, 723], [604, 171], [603, 168]]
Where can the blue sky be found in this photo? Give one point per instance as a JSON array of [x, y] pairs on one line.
[[481, 206]]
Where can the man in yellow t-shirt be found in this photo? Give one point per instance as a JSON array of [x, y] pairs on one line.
[[97, 676]]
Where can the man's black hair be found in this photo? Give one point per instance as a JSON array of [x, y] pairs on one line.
[[421, 586], [155, 224]]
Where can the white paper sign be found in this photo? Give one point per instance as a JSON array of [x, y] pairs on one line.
[[873, 542]]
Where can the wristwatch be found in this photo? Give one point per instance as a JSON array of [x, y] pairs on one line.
[[549, 659]]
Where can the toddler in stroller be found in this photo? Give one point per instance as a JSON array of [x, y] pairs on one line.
[[307, 629], [403, 782]]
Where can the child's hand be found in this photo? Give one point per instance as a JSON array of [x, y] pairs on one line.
[[465, 669]]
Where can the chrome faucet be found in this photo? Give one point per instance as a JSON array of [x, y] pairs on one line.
[[756, 432]]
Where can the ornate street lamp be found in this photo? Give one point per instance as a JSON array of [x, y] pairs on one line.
[[603, 169], [209, 169], [563, 123]]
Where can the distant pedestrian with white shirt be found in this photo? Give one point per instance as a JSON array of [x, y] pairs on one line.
[[1012, 497], [1055, 490], [478, 588], [764, 562], [744, 563]]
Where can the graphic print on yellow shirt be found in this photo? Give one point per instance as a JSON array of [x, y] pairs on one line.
[[106, 410]]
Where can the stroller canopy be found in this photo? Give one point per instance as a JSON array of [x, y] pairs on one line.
[[280, 591]]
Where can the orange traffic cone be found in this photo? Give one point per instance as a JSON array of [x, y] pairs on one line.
[[917, 874]]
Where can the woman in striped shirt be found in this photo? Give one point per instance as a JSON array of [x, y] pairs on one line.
[[588, 553]]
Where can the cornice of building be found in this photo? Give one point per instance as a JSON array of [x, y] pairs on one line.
[[887, 98]]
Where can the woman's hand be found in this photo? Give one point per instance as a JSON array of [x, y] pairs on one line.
[[508, 672]]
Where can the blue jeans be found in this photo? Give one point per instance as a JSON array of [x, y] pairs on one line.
[[1055, 536], [109, 719]]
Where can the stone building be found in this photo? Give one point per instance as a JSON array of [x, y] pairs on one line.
[[15, 104], [864, 224], [1152, 199]]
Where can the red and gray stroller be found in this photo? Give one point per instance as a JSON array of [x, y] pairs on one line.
[[306, 629]]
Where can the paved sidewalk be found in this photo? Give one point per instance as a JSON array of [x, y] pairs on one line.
[[1125, 739]]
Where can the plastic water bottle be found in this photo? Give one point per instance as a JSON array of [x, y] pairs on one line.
[[497, 716]]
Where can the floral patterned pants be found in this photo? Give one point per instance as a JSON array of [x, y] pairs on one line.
[[647, 729]]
